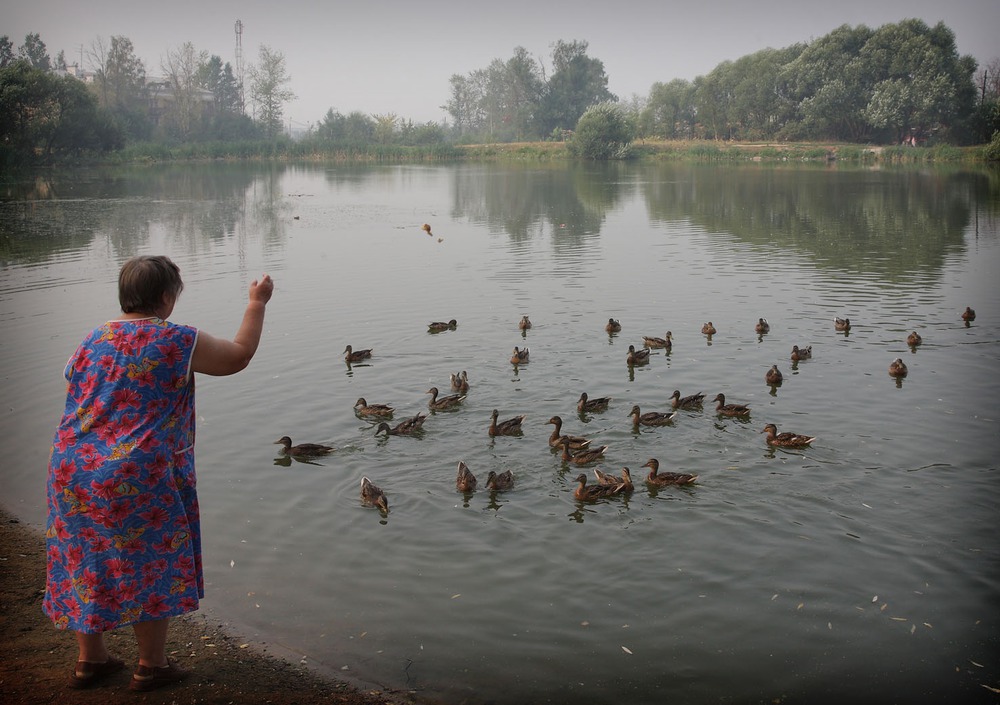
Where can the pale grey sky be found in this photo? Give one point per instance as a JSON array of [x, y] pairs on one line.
[[397, 56]]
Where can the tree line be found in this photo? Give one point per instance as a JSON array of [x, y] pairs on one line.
[[902, 83]]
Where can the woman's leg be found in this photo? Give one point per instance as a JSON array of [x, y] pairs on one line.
[[92, 647], [152, 640]]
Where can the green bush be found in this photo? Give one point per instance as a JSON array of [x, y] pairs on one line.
[[603, 132]]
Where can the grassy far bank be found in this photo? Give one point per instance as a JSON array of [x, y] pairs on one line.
[[645, 150], [707, 150]]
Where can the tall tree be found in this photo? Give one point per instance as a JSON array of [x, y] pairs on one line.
[[35, 52], [182, 102], [522, 89], [669, 111], [267, 81], [120, 82], [218, 78], [577, 82], [6, 51]]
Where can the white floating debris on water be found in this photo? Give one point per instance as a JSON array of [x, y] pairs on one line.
[[875, 599], [627, 650]]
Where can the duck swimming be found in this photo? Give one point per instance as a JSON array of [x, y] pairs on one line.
[[914, 339], [405, 428], [520, 357], [624, 480], [786, 439], [557, 437], [613, 326], [303, 449], [692, 401], [373, 496], [524, 324], [773, 376], [439, 326], [801, 353], [447, 402], [637, 357], [351, 355], [503, 481], [363, 408], [843, 324], [508, 427], [708, 329], [725, 409], [968, 314], [665, 342], [897, 368], [584, 456], [588, 493], [762, 326], [650, 418], [662, 479], [460, 382], [586, 405], [466, 481]]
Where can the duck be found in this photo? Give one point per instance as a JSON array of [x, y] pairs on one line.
[[665, 342], [508, 427], [708, 329], [588, 493], [584, 456], [373, 496], [650, 418], [729, 409], [466, 481], [624, 480], [520, 357], [557, 437], [897, 368], [914, 339], [525, 323], [786, 439], [303, 449], [613, 326], [762, 326], [662, 479], [363, 408], [843, 324], [460, 382], [801, 353], [404, 428], [352, 355], [587, 404], [446, 402], [503, 481], [773, 376], [426, 228], [692, 401], [968, 314], [438, 326], [637, 357]]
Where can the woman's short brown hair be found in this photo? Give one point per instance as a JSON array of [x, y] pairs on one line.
[[143, 281]]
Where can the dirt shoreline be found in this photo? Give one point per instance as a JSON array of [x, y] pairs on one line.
[[35, 658]]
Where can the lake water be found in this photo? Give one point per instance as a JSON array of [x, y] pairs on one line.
[[865, 568]]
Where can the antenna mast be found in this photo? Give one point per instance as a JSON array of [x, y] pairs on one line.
[[239, 64]]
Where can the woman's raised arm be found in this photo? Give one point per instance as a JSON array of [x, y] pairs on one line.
[[215, 356]]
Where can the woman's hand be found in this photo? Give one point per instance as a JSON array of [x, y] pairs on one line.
[[261, 291]]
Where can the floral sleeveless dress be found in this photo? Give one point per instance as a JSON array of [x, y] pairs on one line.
[[123, 538]]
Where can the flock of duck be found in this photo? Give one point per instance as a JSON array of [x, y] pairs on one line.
[[578, 450]]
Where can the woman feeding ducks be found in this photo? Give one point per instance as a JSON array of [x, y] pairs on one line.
[[121, 481]]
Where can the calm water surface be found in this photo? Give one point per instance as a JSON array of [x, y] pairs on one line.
[[865, 568]]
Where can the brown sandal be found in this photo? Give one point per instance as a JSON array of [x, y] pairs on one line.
[[153, 677], [88, 673]]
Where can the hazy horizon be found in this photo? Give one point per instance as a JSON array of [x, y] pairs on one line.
[[398, 57]]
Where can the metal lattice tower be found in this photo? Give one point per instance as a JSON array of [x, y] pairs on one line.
[[239, 63]]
